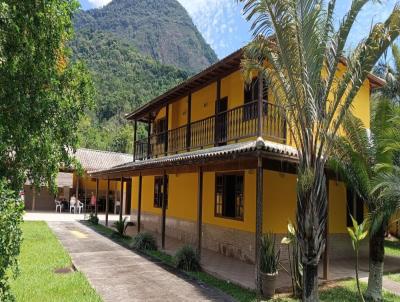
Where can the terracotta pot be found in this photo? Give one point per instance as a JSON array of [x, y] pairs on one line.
[[268, 284]]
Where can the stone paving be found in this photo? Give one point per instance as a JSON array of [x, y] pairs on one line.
[[243, 274], [119, 274], [64, 216]]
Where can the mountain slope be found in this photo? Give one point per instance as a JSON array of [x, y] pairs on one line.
[[124, 79], [161, 29]]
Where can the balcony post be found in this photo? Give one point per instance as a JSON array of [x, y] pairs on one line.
[[189, 120], [166, 131], [217, 104], [148, 136], [260, 105], [134, 139]]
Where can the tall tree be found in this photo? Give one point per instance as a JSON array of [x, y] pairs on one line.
[[391, 74], [42, 97], [360, 156], [304, 55]]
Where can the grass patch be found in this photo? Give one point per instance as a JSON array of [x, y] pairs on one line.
[[41, 254], [394, 277], [392, 248]]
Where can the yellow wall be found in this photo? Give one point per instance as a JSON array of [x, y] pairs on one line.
[[203, 102], [279, 201], [337, 207]]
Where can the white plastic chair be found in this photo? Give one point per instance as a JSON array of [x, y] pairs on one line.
[[59, 205], [72, 205], [80, 206]]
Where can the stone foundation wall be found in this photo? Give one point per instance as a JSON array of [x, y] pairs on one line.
[[236, 243]]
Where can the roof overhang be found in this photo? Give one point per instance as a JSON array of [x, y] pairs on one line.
[[203, 157], [216, 71]]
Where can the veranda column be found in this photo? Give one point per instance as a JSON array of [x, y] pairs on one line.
[[259, 218], [164, 209], [107, 200], [121, 198], [199, 210], [77, 187], [139, 210], [326, 254], [97, 197]]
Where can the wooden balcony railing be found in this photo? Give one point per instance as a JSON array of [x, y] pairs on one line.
[[229, 126]]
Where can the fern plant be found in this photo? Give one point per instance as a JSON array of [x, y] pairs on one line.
[[187, 259], [121, 226], [144, 241]]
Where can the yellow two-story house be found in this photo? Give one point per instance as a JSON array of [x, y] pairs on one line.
[[194, 177]]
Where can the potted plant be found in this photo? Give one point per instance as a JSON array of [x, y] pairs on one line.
[[269, 261]]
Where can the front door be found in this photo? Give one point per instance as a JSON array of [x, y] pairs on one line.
[[221, 121]]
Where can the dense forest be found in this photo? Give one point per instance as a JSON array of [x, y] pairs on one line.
[[135, 50]]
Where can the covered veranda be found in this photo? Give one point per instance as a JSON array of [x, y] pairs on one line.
[[256, 155]]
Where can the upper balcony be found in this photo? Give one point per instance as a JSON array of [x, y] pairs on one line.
[[229, 126]]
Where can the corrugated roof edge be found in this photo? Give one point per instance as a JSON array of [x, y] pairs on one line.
[[210, 153]]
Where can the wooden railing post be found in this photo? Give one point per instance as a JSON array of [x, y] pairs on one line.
[[121, 197], [189, 121], [166, 131], [260, 105], [148, 136], [134, 140]]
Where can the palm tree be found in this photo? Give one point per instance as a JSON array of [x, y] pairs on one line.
[[391, 74], [360, 156], [303, 49]]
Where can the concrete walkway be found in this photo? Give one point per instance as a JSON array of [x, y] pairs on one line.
[[118, 274], [387, 284]]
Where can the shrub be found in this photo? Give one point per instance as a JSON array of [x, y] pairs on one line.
[[11, 211], [186, 258], [121, 226], [93, 218], [144, 241]]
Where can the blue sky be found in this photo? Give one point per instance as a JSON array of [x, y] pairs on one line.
[[222, 24]]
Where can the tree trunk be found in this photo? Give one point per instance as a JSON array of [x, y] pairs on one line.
[[311, 225], [310, 283], [376, 257]]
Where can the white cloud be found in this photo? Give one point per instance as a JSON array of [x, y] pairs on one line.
[[217, 21], [98, 3]]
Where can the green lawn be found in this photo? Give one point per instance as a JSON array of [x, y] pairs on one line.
[[392, 248], [41, 254]]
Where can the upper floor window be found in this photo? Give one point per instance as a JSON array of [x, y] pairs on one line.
[[250, 98], [159, 190], [229, 195]]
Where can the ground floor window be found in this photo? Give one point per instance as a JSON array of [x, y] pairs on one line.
[[159, 191], [355, 207], [229, 194]]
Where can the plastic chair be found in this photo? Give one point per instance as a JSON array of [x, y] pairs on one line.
[[72, 205], [80, 206], [59, 205]]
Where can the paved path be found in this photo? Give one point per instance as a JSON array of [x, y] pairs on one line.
[[388, 285], [118, 274]]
